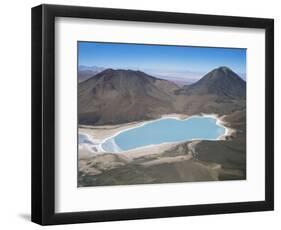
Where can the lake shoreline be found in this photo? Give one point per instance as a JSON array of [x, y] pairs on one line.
[[101, 134]]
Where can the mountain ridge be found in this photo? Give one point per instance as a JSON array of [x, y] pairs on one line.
[[86, 72], [116, 96]]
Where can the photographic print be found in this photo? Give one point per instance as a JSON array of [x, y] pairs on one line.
[[147, 104], [160, 114]]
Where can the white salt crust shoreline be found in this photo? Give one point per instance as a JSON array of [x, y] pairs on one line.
[[162, 146]]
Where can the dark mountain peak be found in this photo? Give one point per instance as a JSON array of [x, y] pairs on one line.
[[220, 73], [123, 74], [221, 81], [119, 95], [128, 82], [224, 69], [109, 70], [117, 71]]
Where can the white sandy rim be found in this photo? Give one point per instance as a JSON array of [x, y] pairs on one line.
[[219, 122]]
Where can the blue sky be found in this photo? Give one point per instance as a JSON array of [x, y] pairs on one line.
[[160, 57]]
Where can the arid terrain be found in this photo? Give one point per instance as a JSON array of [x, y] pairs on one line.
[[113, 99]]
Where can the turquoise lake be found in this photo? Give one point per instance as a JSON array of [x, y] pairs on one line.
[[164, 131]]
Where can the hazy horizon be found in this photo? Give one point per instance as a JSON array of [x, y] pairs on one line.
[[173, 75], [184, 63]]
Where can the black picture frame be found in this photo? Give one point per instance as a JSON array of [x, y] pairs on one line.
[[43, 114]]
